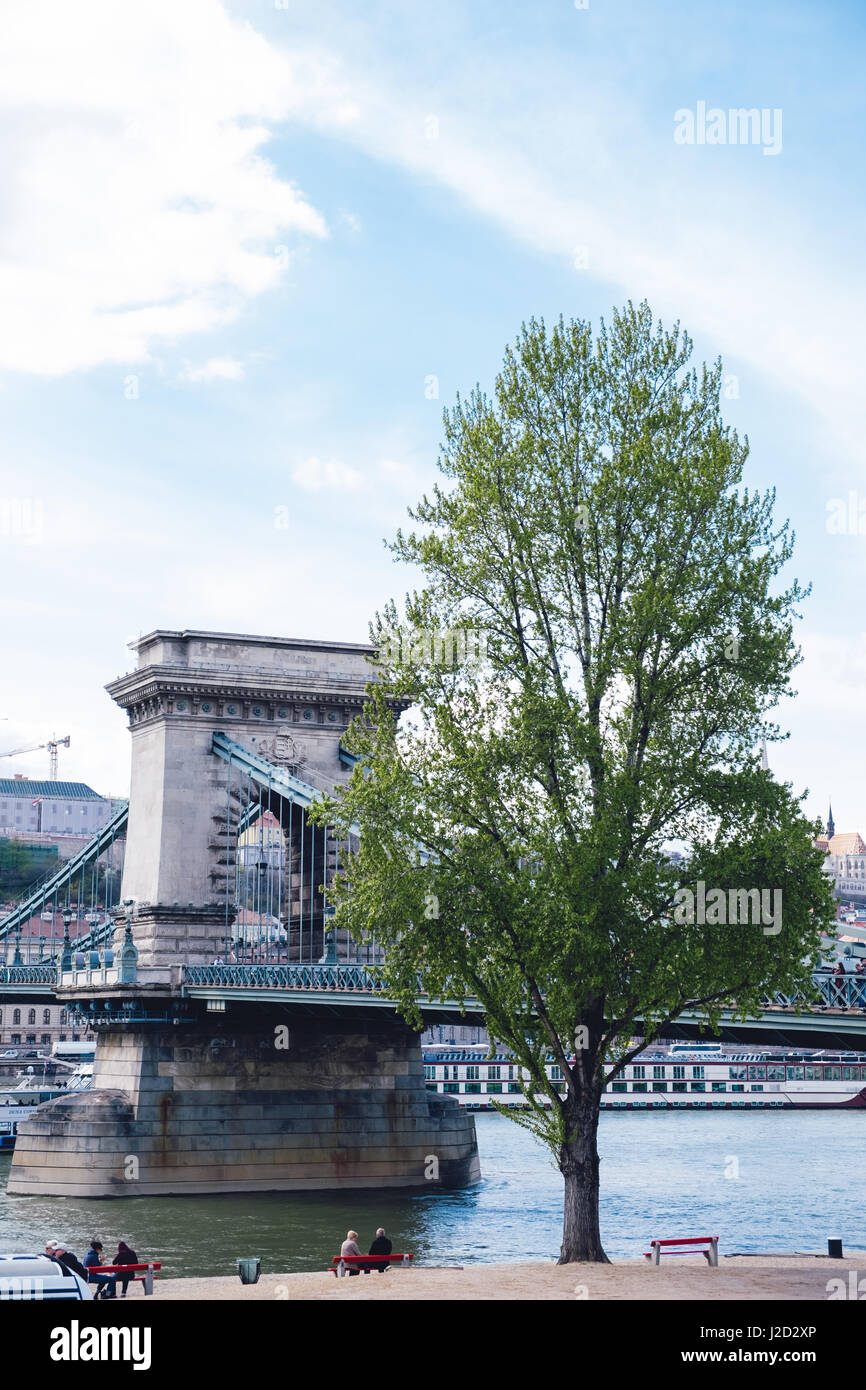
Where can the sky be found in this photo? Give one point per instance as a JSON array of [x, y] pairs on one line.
[[249, 250]]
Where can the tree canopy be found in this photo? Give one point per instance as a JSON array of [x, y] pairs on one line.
[[586, 676]]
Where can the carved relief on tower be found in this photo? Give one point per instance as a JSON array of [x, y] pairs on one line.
[[281, 749]]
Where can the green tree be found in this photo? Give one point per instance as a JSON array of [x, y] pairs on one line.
[[592, 533], [21, 865]]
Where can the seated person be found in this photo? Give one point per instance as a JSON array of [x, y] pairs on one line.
[[350, 1247], [124, 1256], [381, 1246], [106, 1283]]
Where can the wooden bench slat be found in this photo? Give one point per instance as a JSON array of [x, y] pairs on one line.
[[136, 1274]]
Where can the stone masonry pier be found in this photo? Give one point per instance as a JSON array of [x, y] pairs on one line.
[[219, 1110]]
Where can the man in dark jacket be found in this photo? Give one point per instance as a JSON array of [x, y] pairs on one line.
[[67, 1259], [381, 1246]]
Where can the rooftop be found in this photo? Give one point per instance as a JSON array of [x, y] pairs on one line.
[[849, 843], [33, 787]]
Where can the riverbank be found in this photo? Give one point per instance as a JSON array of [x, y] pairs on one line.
[[778, 1277]]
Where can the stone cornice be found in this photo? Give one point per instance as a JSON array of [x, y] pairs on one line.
[[164, 680]]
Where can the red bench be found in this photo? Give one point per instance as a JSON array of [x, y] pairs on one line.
[[708, 1246], [341, 1264], [145, 1276]]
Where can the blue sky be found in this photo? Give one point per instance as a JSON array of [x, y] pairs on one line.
[[237, 239]]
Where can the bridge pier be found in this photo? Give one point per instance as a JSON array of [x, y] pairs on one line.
[[220, 1105], [189, 1095]]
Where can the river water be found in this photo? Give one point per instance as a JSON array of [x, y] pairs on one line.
[[781, 1180]]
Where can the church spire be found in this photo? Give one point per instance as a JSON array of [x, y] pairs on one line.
[[831, 829]]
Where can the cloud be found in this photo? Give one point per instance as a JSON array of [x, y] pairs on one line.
[[566, 161], [317, 475], [138, 206], [216, 369]]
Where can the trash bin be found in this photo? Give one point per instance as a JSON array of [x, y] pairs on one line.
[[834, 1249], [249, 1270]]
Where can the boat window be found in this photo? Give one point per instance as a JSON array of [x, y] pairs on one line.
[[660, 1085], [699, 1085], [756, 1088], [737, 1073], [638, 1085], [757, 1073], [659, 1073], [735, 1087], [493, 1073], [697, 1072], [638, 1073], [720, 1085], [814, 1073], [832, 1073], [775, 1073], [679, 1073], [796, 1073], [678, 1085], [494, 1088]]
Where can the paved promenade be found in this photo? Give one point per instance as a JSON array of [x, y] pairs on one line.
[[758, 1277]]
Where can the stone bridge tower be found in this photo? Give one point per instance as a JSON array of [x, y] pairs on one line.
[[288, 701]]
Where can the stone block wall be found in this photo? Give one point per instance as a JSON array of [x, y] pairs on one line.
[[199, 1109]]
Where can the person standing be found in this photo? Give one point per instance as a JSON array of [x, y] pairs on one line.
[[124, 1256], [381, 1246]]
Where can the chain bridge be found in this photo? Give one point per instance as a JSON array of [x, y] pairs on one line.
[[243, 1043]]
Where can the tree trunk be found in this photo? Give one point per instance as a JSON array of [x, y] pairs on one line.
[[579, 1165]]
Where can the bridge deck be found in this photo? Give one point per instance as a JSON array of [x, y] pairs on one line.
[[837, 1017]]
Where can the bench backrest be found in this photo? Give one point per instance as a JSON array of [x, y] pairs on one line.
[[124, 1269], [366, 1259], [687, 1240]]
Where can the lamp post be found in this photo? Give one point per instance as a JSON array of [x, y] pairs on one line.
[[330, 953], [66, 953], [16, 959]]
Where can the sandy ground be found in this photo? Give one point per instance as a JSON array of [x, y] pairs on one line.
[[680, 1277]]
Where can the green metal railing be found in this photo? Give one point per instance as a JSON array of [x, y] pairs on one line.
[[333, 978]]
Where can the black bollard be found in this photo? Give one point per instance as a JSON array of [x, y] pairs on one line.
[[834, 1249]]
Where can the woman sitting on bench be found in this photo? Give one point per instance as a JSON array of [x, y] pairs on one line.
[[124, 1256]]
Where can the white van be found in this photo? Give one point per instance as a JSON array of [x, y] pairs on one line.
[[36, 1277]]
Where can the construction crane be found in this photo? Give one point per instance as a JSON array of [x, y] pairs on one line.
[[52, 745]]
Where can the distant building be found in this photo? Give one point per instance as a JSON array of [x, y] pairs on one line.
[[39, 1026], [846, 860], [29, 806]]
